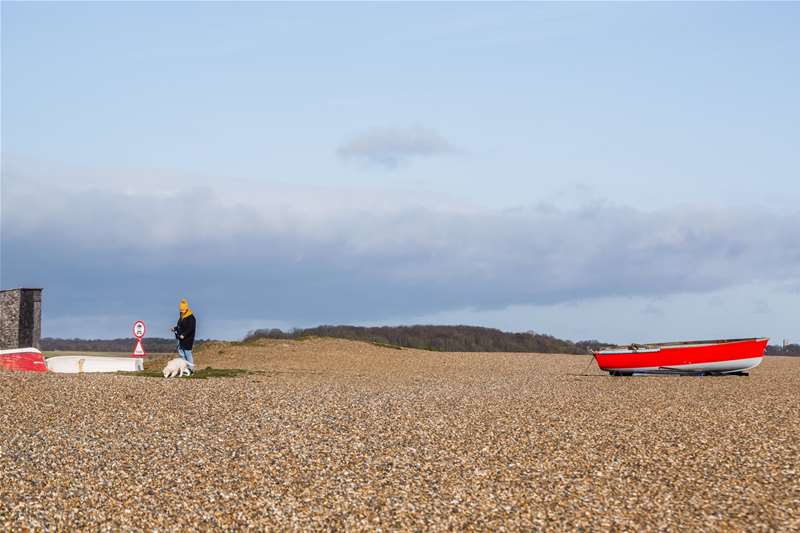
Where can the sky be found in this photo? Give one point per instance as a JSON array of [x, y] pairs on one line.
[[622, 172]]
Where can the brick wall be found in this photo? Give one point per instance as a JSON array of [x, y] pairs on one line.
[[20, 318]]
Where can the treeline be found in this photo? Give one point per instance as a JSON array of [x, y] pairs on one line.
[[789, 349], [436, 338], [151, 345], [439, 338]]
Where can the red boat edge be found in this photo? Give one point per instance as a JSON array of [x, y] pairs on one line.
[[723, 356], [22, 360]]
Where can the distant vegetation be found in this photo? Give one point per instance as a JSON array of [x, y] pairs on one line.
[[438, 338], [789, 349], [151, 345]]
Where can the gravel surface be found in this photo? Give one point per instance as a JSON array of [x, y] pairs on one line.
[[341, 435]]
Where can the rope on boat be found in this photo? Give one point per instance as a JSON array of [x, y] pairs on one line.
[[590, 364]]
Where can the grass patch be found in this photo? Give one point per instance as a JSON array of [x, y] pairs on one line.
[[384, 345], [203, 373]]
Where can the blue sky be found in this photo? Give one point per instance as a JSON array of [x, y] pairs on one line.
[[588, 170]]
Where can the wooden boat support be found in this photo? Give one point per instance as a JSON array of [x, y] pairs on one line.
[[698, 358]]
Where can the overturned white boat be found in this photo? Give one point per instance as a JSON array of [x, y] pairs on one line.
[[79, 364]]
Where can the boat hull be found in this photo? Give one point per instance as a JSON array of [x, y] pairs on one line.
[[79, 364], [22, 360], [702, 357]]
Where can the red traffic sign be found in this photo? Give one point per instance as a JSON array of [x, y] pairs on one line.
[[139, 350], [139, 329]]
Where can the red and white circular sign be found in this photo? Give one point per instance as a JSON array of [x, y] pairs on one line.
[[139, 329]]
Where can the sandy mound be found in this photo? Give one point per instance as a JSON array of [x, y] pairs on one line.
[[357, 359]]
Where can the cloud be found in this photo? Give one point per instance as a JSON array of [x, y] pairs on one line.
[[391, 147], [302, 259]]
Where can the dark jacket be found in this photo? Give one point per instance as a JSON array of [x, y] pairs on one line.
[[186, 327]]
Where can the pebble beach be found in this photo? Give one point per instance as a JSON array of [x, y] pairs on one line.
[[330, 434]]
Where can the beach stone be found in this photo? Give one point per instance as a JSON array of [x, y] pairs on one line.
[[332, 434]]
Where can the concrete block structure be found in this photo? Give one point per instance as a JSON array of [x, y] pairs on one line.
[[20, 318]]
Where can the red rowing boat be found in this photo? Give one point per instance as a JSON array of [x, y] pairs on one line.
[[727, 356], [22, 360]]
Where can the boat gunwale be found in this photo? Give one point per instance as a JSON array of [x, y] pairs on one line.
[[13, 351], [653, 346]]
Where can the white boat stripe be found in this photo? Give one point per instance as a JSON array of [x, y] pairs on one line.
[[19, 350]]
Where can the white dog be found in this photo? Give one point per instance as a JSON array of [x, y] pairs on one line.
[[177, 367]]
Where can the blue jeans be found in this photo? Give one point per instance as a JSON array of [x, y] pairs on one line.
[[186, 354]]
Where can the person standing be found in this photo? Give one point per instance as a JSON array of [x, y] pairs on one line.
[[184, 333]]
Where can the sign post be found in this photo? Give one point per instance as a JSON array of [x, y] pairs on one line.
[[138, 332]]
